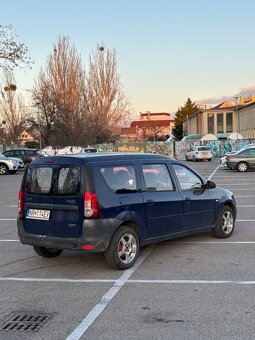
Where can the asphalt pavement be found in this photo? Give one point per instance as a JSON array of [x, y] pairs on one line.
[[195, 287]]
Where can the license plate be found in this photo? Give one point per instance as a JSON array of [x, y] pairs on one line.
[[38, 214]]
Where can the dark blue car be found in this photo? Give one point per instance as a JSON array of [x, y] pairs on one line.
[[115, 203]]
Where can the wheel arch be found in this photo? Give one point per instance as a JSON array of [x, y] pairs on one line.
[[133, 225], [232, 206]]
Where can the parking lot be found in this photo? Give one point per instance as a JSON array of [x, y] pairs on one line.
[[196, 287]]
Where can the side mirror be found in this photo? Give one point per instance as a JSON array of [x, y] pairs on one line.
[[210, 185]]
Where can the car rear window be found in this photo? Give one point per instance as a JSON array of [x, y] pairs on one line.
[[68, 180], [38, 180], [57, 181]]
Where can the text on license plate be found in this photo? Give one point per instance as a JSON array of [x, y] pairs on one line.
[[38, 214]]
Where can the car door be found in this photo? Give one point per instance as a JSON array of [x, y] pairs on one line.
[[39, 200], [199, 203], [68, 212], [164, 204], [250, 156]]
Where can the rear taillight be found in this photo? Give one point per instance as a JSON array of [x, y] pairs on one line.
[[21, 202], [227, 158], [91, 208]]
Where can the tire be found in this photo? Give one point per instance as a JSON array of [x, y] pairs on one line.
[[3, 169], [186, 158], [12, 172], [47, 252], [193, 158], [242, 166], [225, 223], [116, 256], [209, 159]]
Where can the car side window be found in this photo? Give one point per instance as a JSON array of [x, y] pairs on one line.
[[250, 152], [156, 177], [186, 178], [120, 178]]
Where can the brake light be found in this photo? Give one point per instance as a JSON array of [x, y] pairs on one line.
[[227, 158], [91, 208], [21, 202]]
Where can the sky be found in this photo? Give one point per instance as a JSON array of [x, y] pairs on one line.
[[167, 51]]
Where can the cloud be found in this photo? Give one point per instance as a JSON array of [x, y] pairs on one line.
[[243, 91]]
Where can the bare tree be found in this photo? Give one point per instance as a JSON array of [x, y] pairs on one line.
[[107, 106], [58, 94], [13, 109], [12, 52], [75, 107]]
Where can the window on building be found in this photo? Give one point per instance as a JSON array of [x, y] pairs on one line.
[[220, 128], [229, 121], [210, 123]]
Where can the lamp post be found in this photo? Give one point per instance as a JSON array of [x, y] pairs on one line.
[[39, 125], [238, 122]]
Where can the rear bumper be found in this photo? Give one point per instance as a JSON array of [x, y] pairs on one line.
[[95, 233]]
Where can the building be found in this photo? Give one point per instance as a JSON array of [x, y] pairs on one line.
[[150, 126], [26, 137], [223, 119], [246, 116]]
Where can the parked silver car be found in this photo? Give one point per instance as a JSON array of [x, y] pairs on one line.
[[241, 160], [199, 153], [8, 165], [223, 159]]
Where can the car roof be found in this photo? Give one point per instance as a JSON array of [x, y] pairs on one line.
[[21, 149], [101, 156]]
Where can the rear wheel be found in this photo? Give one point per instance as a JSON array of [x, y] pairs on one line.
[[123, 249], [47, 252], [3, 169], [225, 223], [209, 159], [12, 172], [242, 166]]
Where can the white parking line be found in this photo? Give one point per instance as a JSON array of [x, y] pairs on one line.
[[106, 296], [99, 308], [8, 219], [213, 172], [9, 241], [210, 242], [229, 282]]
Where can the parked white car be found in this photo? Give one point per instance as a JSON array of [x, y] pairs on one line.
[[8, 165], [199, 153]]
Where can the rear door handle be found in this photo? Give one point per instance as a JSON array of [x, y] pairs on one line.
[[149, 202], [187, 200]]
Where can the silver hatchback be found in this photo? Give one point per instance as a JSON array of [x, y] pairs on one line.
[[199, 153]]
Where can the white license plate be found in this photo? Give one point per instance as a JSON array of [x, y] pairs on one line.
[[38, 214]]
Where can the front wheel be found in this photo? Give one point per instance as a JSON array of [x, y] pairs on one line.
[[123, 249], [47, 252], [3, 169], [242, 167], [225, 223]]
